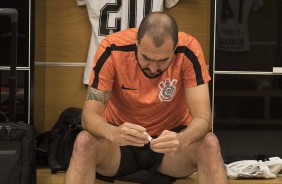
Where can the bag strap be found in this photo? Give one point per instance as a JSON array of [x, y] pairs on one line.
[[50, 135], [54, 134], [58, 132], [5, 117], [41, 137], [45, 136]]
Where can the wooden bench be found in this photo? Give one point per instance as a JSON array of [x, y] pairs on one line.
[[44, 176]]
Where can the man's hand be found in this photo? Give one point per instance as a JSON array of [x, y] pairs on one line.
[[167, 142], [130, 134]]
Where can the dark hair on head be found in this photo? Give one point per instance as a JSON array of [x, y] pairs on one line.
[[159, 26]]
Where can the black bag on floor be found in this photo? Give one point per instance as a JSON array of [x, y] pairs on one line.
[[55, 146], [17, 153]]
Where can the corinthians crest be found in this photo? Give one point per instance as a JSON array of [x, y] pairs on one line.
[[168, 88]]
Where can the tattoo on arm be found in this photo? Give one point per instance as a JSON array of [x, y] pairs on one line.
[[95, 94]]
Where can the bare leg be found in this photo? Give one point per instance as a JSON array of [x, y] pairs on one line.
[[91, 154], [203, 156]]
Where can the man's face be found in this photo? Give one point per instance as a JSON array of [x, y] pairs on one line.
[[154, 60]]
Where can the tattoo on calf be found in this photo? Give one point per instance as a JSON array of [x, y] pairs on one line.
[[101, 96]]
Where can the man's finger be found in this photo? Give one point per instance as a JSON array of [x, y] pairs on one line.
[[135, 127]]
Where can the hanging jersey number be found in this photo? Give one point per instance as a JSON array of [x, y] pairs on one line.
[[116, 7]]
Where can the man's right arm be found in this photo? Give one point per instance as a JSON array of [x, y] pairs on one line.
[[94, 123], [92, 114]]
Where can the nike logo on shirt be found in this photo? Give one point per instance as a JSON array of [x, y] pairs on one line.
[[126, 88]]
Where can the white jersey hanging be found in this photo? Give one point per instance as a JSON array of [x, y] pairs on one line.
[[109, 16], [232, 24]]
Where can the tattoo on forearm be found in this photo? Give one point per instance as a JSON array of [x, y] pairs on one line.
[[101, 96]]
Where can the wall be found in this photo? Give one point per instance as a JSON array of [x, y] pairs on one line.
[[39, 71], [62, 37]]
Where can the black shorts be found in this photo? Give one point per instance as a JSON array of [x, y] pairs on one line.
[[140, 164]]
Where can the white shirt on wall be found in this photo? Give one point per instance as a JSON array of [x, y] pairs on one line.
[[109, 16], [232, 24]]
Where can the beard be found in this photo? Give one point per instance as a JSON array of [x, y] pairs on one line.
[[147, 72]]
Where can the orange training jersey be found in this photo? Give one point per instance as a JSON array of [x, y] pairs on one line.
[[156, 104]]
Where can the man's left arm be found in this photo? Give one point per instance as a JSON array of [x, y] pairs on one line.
[[199, 106]]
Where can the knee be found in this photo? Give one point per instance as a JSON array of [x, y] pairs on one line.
[[210, 146], [84, 143]]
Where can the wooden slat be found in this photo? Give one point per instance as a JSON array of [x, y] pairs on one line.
[[39, 99], [68, 31], [63, 88]]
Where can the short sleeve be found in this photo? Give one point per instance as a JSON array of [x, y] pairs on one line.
[[102, 74], [170, 3], [194, 70], [80, 2]]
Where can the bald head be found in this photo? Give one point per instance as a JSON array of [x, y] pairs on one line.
[[158, 26]]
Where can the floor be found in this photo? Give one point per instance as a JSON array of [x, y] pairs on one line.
[[44, 176]]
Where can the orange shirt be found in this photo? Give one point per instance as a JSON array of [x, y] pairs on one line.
[[157, 104]]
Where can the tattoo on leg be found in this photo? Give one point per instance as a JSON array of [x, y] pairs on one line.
[[95, 94]]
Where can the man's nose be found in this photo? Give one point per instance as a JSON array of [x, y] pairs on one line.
[[153, 66]]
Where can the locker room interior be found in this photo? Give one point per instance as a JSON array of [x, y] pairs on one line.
[[61, 39]]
